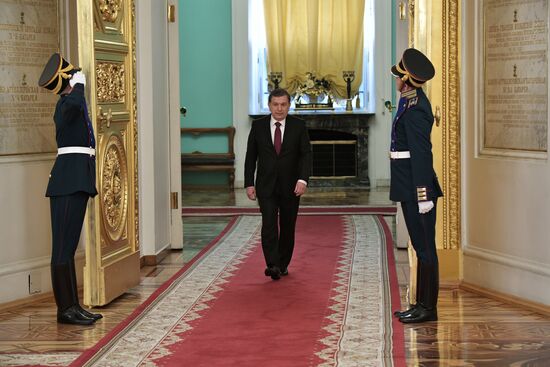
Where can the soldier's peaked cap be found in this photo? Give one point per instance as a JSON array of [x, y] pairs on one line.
[[414, 68], [56, 74]]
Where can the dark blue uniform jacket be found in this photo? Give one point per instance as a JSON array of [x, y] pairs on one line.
[[413, 179], [72, 173]]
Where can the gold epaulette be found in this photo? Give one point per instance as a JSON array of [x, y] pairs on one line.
[[422, 193], [411, 96]]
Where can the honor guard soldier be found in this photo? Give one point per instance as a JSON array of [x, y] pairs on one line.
[[71, 183], [413, 179]]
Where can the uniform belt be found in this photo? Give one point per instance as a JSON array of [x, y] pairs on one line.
[[400, 155], [78, 150]]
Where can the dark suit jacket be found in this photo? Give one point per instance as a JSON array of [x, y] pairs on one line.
[[72, 172], [274, 171], [411, 131]]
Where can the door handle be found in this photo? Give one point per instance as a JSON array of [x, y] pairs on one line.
[[437, 116], [389, 106], [105, 117], [183, 111]]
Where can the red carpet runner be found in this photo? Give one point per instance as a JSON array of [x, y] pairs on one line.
[[333, 309], [212, 211]]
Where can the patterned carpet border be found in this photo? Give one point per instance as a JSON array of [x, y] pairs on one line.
[[397, 337], [361, 331], [211, 211], [88, 357]]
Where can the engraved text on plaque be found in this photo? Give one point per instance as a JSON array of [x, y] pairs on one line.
[[516, 75], [29, 34]]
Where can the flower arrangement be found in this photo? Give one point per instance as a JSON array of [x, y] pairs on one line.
[[314, 88]]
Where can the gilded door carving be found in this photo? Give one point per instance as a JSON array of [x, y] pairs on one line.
[[112, 253]]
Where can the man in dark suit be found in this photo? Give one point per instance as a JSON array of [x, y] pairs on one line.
[[71, 183], [279, 150], [413, 179]]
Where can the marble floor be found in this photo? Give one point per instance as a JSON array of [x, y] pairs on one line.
[[472, 330]]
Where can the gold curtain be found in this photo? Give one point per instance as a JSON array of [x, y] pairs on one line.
[[320, 36]]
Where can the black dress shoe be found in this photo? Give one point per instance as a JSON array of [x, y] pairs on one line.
[[404, 313], [88, 314], [420, 314], [273, 272], [72, 316], [284, 271]]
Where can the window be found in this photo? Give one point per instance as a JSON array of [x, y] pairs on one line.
[[258, 78]]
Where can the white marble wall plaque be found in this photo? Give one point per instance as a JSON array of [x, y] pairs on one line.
[[29, 34], [516, 75]]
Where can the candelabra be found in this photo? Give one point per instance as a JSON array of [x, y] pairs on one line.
[[349, 77], [275, 77]]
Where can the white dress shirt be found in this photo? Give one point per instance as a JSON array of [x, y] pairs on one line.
[[282, 127], [273, 127]]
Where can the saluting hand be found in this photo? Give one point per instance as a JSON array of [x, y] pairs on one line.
[[77, 78]]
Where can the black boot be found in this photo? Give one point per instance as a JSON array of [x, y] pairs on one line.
[[410, 310], [88, 314], [67, 312], [74, 286], [407, 312], [73, 316], [428, 291], [420, 314]]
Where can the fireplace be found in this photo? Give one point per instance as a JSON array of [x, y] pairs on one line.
[[334, 154], [340, 148]]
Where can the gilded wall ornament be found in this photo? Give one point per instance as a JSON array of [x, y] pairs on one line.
[[451, 134], [110, 82], [114, 183], [110, 9], [134, 138]]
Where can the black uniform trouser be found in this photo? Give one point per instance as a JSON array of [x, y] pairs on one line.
[[67, 216], [421, 228], [279, 214]]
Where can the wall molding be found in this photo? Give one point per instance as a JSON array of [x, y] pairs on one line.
[[506, 274], [35, 298], [32, 264], [152, 260], [14, 280], [507, 260], [25, 158], [507, 298]]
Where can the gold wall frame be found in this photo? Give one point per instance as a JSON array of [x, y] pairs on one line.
[[451, 124], [512, 118], [440, 40]]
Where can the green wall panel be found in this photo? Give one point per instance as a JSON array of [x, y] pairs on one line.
[[206, 63], [206, 86]]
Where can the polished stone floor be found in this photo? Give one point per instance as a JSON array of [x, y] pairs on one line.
[[472, 330], [314, 196]]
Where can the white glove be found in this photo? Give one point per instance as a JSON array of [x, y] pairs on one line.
[[77, 78], [425, 206]]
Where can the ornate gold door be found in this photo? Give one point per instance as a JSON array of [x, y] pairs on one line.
[[434, 29], [106, 44]]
